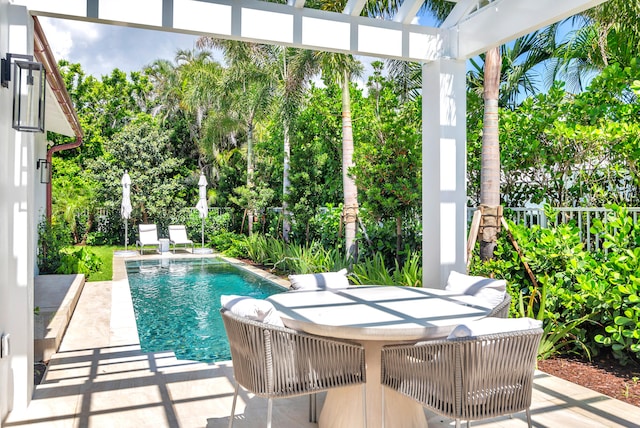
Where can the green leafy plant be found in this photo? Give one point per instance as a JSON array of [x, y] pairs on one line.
[[52, 238], [557, 337], [82, 261], [619, 304], [589, 301], [374, 271]]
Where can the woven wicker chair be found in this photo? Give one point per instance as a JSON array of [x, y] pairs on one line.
[[278, 362], [502, 310], [469, 378]]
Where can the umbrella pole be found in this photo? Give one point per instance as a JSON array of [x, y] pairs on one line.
[[202, 232], [126, 233]]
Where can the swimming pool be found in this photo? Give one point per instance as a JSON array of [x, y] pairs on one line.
[[177, 303]]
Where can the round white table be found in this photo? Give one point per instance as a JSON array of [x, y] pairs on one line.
[[375, 316]]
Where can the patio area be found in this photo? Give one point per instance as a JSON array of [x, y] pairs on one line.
[[100, 378]]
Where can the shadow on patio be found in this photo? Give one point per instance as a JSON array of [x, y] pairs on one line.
[[100, 378]]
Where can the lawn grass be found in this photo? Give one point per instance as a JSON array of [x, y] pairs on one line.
[[105, 252]]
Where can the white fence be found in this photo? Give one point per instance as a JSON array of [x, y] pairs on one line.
[[583, 218]]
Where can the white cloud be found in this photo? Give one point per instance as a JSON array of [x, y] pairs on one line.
[[59, 38], [100, 48]]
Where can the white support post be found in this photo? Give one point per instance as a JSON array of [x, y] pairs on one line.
[[17, 217], [443, 170]]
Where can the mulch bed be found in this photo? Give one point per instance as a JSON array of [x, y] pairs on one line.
[[603, 374]]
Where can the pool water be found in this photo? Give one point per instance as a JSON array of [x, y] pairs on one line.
[[177, 304]]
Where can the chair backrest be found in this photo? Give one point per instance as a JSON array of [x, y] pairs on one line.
[[273, 361], [468, 378], [503, 364], [320, 281], [502, 310], [148, 233], [178, 233]]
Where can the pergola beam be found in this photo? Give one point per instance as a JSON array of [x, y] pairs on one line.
[[263, 22], [506, 20], [354, 7], [408, 11], [459, 11]]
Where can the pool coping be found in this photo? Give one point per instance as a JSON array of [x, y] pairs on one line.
[[123, 326], [120, 271]]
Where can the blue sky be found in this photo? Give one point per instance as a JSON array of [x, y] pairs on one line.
[[100, 48]]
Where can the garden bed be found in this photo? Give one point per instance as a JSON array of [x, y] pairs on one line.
[[604, 375]]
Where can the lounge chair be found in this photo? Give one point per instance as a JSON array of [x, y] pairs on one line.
[[278, 362], [147, 235], [178, 236], [468, 378]]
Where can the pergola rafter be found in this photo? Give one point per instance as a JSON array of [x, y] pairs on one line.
[[472, 27]]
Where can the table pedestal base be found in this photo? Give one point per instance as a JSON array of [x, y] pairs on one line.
[[343, 406]]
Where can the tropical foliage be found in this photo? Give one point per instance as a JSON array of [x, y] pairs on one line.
[[292, 147], [587, 299]]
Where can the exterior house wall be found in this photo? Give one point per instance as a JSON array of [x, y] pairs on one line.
[[17, 217]]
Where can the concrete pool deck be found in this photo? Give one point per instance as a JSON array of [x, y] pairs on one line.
[[100, 378]]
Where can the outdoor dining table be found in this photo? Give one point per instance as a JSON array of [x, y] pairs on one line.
[[375, 316]]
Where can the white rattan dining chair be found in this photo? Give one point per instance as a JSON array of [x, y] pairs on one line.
[[278, 362], [468, 378]]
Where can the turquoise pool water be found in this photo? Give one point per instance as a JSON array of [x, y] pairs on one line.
[[177, 304]]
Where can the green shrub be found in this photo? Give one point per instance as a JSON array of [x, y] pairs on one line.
[[81, 260], [601, 287], [293, 258], [52, 238], [230, 244], [614, 283], [374, 271]]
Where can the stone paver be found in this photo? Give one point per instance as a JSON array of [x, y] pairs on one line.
[[100, 378]]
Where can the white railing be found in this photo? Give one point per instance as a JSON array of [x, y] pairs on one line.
[[583, 218]]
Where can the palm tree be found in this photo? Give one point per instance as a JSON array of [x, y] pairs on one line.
[[245, 96], [297, 67], [608, 33], [183, 93], [490, 170], [340, 69], [502, 75]]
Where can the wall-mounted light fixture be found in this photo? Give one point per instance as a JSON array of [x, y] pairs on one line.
[[45, 170], [29, 80]]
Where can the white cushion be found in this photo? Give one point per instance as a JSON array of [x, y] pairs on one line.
[[492, 325], [490, 290], [254, 309], [320, 281]]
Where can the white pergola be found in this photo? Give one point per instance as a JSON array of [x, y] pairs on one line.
[[473, 27]]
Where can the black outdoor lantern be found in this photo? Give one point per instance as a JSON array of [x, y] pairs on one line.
[[29, 79], [45, 170]]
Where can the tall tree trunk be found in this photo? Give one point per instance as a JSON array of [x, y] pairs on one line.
[[490, 170], [350, 212], [398, 238], [286, 226], [250, 213]]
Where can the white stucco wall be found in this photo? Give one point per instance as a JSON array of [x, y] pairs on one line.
[[17, 217]]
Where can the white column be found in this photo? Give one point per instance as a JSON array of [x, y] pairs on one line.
[[443, 170], [17, 169]]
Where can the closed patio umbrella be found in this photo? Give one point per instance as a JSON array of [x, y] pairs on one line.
[[202, 202], [125, 207]]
